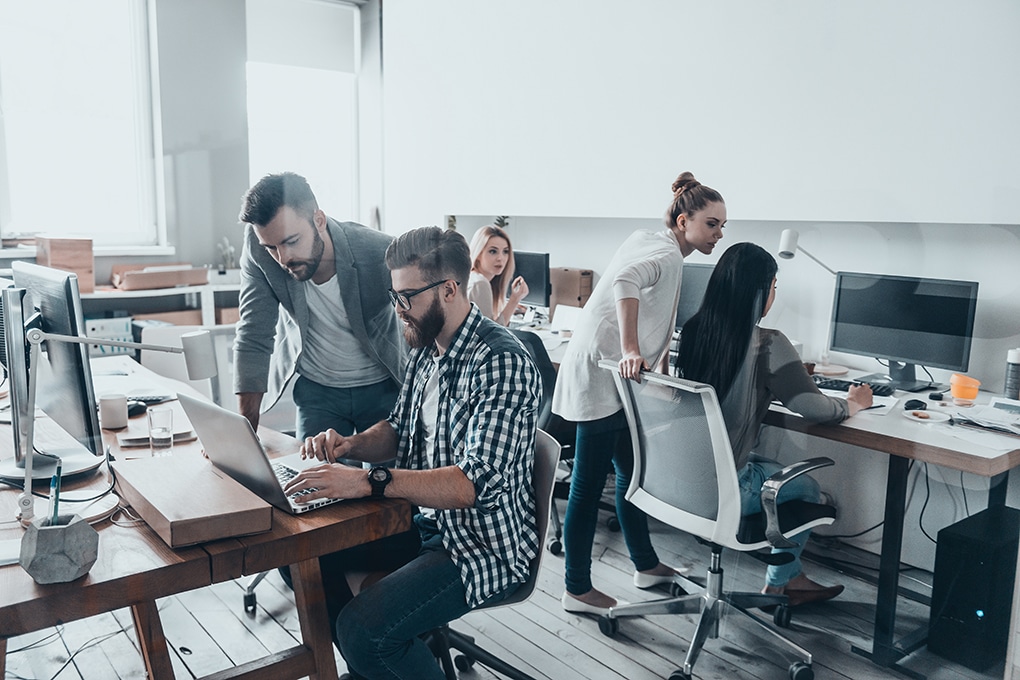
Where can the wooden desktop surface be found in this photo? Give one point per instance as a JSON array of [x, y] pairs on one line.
[[135, 567]]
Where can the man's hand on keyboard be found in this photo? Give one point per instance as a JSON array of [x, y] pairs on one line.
[[329, 481]]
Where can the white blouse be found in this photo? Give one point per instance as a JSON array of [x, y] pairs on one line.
[[647, 266]]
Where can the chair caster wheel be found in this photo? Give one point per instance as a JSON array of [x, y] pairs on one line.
[[463, 663], [801, 671], [676, 590], [555, 546], [613, 523], [782, 617], [680, 675], [609, 627], [249, 603]]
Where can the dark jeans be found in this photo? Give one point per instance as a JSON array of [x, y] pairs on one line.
[[346, 410], [600, 445], [377, 631]]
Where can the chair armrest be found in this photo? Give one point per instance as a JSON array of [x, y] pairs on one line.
[[770, 489]]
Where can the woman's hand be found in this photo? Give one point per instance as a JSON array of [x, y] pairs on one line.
[[631, 366], [859, 397], [518, 291]]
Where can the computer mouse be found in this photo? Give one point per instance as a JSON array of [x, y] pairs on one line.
[[915, 405], [136, 408]]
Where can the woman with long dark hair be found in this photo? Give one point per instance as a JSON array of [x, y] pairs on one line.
[[629, 318], [749, 366]]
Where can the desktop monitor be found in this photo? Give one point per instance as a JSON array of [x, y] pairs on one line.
[[908, 321], [48, 299], [693, 283], [534, 267]]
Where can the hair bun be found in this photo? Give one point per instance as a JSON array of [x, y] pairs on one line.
[[683, 182]]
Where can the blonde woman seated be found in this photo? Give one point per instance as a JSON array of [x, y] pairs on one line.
[[492, 265], [749, 366]]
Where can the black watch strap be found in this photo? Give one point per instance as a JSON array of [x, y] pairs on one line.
[[379, 477]]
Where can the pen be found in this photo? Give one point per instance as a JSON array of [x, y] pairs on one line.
[[55, 495]]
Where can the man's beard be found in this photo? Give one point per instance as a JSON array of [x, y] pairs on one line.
[[423, 332], [302, 270]]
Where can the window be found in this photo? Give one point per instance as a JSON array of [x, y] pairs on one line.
[[302, 77], [77, 147]]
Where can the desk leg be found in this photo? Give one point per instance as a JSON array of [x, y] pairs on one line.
[[884, 651], [149, 631], [997, 487], [3, 657], [315, 623]]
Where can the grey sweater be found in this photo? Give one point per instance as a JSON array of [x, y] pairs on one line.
[[773, 371]]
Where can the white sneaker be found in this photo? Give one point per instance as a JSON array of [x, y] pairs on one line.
[[576, 606], [645, 581]]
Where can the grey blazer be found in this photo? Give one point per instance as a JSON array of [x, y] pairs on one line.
[[268, 343]]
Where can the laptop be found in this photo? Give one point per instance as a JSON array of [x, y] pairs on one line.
[[232, 446]]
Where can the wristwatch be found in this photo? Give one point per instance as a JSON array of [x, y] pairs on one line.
[[379, 477]]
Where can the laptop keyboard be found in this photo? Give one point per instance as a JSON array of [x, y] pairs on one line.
[[285, 474]]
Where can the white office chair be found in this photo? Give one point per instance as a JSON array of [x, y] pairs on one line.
[[685, 476], [445, 639]]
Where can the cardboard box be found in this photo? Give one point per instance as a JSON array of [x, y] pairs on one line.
[[70, 255], [227, 315], [569, 287], [146, 277], [186, 500]]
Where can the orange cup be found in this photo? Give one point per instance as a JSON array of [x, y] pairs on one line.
[[963, 388]]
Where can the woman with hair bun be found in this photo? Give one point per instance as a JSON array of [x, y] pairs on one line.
[[629, 319], [492, 265]]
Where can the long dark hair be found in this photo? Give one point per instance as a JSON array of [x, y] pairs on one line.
[[715, 341]]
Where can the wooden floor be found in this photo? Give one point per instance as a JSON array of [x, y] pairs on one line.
[[209, 631]]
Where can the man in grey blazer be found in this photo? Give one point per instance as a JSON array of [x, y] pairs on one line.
[[338, 334]]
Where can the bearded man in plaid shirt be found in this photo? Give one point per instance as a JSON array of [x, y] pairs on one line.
[[463, 436]]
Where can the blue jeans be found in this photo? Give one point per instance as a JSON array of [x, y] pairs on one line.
[[378, 631], [600, 445], [345, 409], [803, 488]]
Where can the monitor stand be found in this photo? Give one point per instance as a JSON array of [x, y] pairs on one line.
[[74, 462], [901, 376]]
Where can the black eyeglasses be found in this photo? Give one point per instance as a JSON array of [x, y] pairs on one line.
[[404, 299]]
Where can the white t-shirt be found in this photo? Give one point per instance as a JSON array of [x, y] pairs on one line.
[[331, 354]]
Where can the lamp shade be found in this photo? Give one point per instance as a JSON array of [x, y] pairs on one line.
[[788, 243], [199, 355]]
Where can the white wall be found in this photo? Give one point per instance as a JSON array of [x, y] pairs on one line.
[[798, 109]]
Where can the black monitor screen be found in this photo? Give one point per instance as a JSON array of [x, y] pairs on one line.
[[534, 267], [927, 322], [693, 284], [64, 377]]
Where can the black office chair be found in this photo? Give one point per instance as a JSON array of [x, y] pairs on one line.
[[685, 476], [561, 430]]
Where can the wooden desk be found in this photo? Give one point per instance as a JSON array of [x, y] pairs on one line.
[[135, 568], [904, 441]]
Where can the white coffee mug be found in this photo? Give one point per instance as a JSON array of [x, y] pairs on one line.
[[113, 412]]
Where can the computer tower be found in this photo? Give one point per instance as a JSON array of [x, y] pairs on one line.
[[972, 594]]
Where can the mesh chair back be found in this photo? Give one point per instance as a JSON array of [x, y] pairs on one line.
[[546, 371], [684, 472]]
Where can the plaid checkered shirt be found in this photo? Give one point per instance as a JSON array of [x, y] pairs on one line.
[[489, 394]]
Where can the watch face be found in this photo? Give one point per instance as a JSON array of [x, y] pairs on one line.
[[378, 475]]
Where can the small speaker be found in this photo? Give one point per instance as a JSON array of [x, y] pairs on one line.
[[972, 594]]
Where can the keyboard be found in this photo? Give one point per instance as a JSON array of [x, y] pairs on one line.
[[285, 474], [878, 389], [150, 399]]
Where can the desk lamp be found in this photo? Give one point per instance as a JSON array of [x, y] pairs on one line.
[[788, 248], [198, 353]]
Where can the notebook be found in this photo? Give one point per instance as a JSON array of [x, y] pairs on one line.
[[232, 446]]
